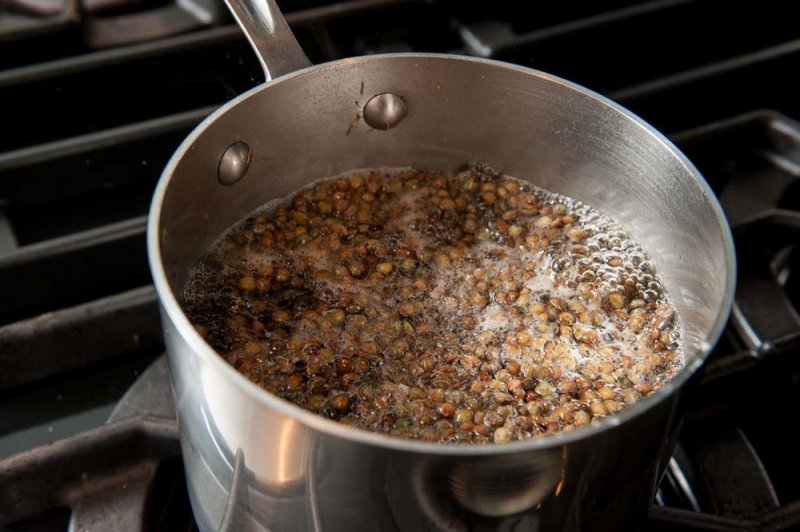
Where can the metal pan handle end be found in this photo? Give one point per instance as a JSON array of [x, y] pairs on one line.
[[269, 34]]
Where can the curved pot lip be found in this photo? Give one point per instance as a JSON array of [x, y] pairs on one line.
[[332, 428]]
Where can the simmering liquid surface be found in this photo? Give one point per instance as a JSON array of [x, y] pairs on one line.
[[449, 307]]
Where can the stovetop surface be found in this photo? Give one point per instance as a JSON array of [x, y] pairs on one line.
[[97, 97]]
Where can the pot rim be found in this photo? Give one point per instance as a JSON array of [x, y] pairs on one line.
[[333, 428]]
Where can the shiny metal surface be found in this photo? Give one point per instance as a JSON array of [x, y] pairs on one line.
[[385, 111], [256, 462], [234, 163], [269, 35]]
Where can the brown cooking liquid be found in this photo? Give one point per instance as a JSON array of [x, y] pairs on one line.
[[468, 307]]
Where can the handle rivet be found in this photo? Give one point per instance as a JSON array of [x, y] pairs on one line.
[[234, 163], [385, 111]]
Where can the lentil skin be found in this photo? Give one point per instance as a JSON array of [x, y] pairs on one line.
[[464, 307]]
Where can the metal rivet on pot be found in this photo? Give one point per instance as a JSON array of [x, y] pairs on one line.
[[385, 111], [234, 163]]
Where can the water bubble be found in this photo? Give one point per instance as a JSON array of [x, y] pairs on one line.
[[611, 277], [655, 286], [647, 267], [561, 264], [636, 259]]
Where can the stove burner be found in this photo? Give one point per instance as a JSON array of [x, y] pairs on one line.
[[754, 168]]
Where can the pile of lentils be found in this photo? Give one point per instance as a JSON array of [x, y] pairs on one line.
[[449, 307]]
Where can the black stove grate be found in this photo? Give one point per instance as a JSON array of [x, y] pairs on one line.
[[95, 117]]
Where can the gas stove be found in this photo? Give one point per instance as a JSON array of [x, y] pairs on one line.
[[99, 93]]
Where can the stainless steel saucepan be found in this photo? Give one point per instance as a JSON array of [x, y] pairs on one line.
[[254, 461]]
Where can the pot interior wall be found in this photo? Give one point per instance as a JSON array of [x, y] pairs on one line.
[[525, 124]]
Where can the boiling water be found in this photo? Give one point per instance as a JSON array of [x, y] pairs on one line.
[[462, 307]]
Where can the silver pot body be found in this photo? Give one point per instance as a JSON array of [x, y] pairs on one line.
[[256, 462]]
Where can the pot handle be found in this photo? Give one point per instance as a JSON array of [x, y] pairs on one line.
[[269, 35]]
